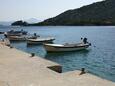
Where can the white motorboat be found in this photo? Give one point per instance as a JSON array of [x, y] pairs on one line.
[[39, 40], [65, 47]]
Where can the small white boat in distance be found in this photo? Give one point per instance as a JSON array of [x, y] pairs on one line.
[[40, 40], [65, 47]]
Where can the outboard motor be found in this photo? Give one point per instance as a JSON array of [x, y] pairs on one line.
[[85, 40], [89, 44]]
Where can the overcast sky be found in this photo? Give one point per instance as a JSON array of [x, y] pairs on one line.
[[39, 9]]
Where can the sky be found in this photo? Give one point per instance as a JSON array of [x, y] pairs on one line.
[[11, 10]]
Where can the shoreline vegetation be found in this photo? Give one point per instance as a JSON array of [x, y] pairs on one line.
[[96, 14], [78, 24]]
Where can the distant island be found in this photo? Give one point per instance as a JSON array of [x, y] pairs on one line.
[[19, 23], [99, 13]]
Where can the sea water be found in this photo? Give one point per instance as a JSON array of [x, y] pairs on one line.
[[99, 59]]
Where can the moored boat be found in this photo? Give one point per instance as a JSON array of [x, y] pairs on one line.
[[39, 40], [17, 38], [13, 35], [65, 47], [16, 33], [1, 32]]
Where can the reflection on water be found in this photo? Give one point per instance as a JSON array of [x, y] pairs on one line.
[[61, 54], [69, 59]]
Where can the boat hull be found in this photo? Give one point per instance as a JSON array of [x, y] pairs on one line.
[[38, 42], [14, 38], [32, 42], [64, 49]]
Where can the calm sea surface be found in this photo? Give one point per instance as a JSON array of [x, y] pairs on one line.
[[99, 59]]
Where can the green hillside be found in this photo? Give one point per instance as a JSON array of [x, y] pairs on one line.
[[100, 13]]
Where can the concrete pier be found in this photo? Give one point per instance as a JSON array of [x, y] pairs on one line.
[[17, 68]]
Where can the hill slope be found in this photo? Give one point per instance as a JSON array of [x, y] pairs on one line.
[[100, 13]]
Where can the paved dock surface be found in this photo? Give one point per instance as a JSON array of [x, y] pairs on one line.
[[17, 68]]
